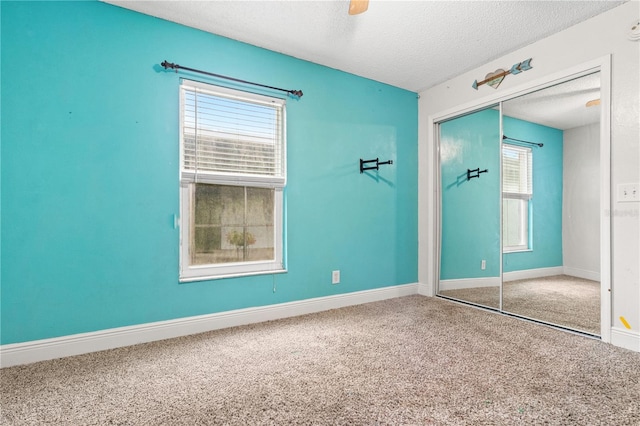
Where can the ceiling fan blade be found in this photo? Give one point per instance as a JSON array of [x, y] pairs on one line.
[[358, 6], [593, 102]]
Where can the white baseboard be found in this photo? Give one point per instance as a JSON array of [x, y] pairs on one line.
[[526, 274], [627, 339], [425, 289], [462, 283], [582, 273], [59, 347]]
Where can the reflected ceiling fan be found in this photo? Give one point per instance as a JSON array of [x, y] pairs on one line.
[[358, 6]]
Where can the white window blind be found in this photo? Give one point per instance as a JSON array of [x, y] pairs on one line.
[[231, 136], [517, 172]]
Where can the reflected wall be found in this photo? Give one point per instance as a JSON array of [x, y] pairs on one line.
[[470, 208]]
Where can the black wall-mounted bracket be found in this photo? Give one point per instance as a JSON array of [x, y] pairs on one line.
[[475, 173], [364, 166]]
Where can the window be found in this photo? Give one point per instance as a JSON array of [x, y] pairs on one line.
[[232, 175], [517, 191]]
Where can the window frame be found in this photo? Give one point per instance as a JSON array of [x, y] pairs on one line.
[[526, 203], [188, 180]]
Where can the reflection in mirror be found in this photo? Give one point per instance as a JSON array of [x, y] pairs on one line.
[[470, 208], [551, 222]]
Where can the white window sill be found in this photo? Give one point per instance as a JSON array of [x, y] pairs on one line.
[[234, 275], [516, 251]]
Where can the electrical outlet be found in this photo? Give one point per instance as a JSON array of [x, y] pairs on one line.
[[335, 277], [628, 192], [483, 266]]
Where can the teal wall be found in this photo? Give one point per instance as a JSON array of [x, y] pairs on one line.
[[470, 209], [546, 204], [90, 173]]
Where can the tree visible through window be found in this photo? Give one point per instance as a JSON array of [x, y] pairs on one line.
[[232, 177], [517, 193]]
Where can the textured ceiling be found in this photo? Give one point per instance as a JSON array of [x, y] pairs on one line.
[[562, 106], [409, 44]]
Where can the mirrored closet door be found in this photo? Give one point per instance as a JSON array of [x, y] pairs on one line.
[[470, 208], [551, 205], [520, 206]]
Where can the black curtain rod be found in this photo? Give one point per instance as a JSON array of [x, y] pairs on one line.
[[520, 140], [166, 65]]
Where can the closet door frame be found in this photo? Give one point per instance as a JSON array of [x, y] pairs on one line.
[[429, 253]]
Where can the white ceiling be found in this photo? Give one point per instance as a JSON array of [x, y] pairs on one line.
[[562, 106], [409, 44]]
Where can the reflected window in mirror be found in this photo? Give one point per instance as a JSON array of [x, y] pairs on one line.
[[517, 192]]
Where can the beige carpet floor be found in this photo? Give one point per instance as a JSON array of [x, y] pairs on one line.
[[562, 300], [406, 361]]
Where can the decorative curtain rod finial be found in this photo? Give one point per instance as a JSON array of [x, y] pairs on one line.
[[167, 65]]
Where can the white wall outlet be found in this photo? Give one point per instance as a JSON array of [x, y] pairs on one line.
[[483, 265], [628, 192], [335, 277]]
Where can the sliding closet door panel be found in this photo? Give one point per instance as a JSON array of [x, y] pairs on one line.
[[470, 208], [554, 277]]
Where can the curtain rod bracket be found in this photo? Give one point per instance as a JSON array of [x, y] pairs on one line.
[[475, 173], [364, 164], [176, 67]]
